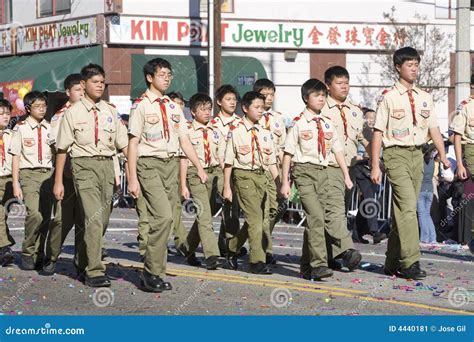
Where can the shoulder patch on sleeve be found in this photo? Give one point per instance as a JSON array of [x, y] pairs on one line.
[[111, 104]]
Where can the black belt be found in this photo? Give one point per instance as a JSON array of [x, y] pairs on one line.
[[95, 158], [315, 166], [408, 148], [259, 171]]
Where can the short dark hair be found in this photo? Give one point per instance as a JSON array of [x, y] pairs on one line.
[[72, 80], [6, 104], [312, 85], [176, 95], [249, 97], [197, 100], [91, 70], [365, 110], [225, 89], [32, 97], [335, 71], [405, 54], [263, 83], [152, 65]]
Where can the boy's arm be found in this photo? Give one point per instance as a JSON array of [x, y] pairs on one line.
[[58, 188], [17, 193], [133, 184], [227, 192], [461, 170], [183, 170], [285, 182], [438, 142], [376, 144], [191, 154]]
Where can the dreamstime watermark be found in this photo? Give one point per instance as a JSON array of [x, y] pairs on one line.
[[191, 208], [191, 298], [459, 297], [14, 299], [369, 208], [457, 209], [15, 208], [281, 297], [103, 297], [374, 293]]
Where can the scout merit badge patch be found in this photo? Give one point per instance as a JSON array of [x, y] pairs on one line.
[[398, 114], [306, 135], [152, 118], [400, 133], [28, 142]]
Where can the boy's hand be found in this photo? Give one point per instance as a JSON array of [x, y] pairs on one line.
[[134, 188], [348, 183], [446, 163], [462, 172], [227, 194], [202, 175], [285, 190], [17, 193], [185, 192], [58, 191], [376, 175]]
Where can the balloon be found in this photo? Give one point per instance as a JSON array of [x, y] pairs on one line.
[[22, 92], [20, 105]]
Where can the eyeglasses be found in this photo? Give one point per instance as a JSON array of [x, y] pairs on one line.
[[39, 106], [165, 76]]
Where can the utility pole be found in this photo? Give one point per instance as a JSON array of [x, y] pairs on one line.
[[214, 45], [463, 51]]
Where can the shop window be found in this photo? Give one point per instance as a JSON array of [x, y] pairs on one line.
[[48, 8]]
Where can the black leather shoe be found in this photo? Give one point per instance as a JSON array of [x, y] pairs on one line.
[[260, 268], [181, 250], [334, 264], [49, 267], [39, 264], [6, 256], [378, 237], [232, 262], [321, 272], [413, 272], [27, 263], [351, 259], [242, 252], [154, 283], [193, 261], [104, 254], [212, 263], [269, 259], [389, 272], [100, 281]]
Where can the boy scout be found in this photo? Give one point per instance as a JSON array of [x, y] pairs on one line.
[[6, 240], [226, 99], [249, 154], [32, 163], [349, 123], [66, 212], [210, 148], [311, 138], [157, 129], [405, 118], [93, 132], [463, 128]]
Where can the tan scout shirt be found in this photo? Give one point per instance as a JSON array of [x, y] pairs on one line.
[[273, 121], [239, 147], [217, 143], [222, 123], [394, 117], [56, 122], [146, 122], [6, 158], [34, 153], [302, 139], [463, 121], [355, 125], [77, 130]]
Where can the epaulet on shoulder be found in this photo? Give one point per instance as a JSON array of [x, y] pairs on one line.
[[213, 121], [464, 103], [111, 104], [298, 117]]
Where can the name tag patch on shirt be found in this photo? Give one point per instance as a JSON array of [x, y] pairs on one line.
[[306, 135], [400, 133], [152, 118], [28, 142], [425, 113]]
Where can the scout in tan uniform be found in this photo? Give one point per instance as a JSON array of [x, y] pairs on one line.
[[6, 191], [311, 138], [349, 122], [463, 128], [210, 148], [32, 164], [405, 119], [66, 211], [157, 129], [249, 154], [226, 99], [93, 132]]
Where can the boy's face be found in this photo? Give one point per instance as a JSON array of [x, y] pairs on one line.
[[161, 80], [203, 113], [228, 103], [75, 93], [179, 102], [94, 87], [408, 70], [4, 117], [339, 88], [316, 101], [38, 110], [255, 111], [370, 119], [269, 94]]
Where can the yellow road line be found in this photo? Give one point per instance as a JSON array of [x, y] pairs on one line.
[[302, 287]]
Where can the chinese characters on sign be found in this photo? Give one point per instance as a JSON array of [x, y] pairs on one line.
[[185, 32]]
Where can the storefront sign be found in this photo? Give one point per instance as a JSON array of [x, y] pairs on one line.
[[56, 35], [260, 34]]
